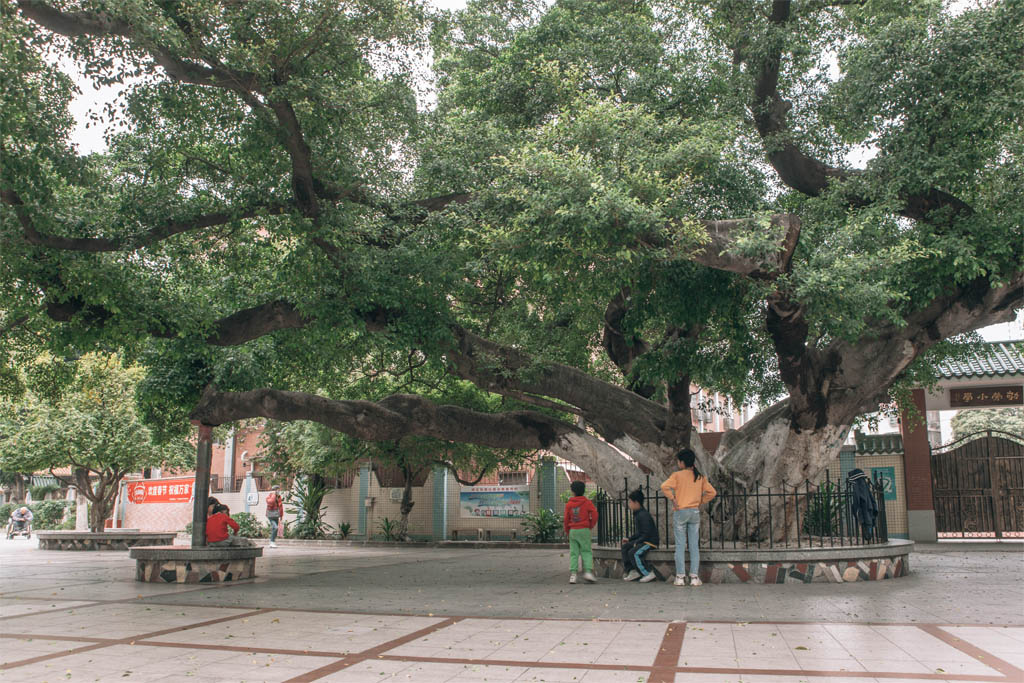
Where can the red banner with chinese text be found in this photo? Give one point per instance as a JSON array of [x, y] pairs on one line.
[[160, 490]]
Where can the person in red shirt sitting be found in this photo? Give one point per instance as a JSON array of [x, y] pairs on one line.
[[217, 529]]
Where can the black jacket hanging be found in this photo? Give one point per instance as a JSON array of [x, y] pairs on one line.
[[862, 497]]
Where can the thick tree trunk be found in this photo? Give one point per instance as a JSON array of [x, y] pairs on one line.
[[406, 507]]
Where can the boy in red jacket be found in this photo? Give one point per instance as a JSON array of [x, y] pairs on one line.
[[580, 518]]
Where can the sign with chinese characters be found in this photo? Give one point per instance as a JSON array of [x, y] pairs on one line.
[[494, 501], [987, 396], [160, 491], [887, 475]]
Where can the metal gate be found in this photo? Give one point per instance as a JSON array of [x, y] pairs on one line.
[[978, 485]]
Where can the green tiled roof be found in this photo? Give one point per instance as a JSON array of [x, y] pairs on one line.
[[996, 359]]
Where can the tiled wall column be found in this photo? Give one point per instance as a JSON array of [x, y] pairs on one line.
[[440, 527], [548, 484], [364, 491], [846, 463], [917, 468]]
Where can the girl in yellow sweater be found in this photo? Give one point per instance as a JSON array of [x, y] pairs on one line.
[[688, 489]]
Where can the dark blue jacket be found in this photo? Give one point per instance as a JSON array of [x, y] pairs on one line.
[[645, 530], [862, 497]]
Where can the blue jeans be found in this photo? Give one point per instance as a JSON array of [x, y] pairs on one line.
[[686, 529], [274, 522]]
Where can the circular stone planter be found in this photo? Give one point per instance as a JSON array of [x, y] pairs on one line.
[[806, 565], [181, 564], [120, 539]]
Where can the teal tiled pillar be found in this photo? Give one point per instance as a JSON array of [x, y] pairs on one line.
[[547, 484], [847, 462], [440, 504], [364, 491]]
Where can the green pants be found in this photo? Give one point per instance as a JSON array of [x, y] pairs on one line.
[[579, 546]]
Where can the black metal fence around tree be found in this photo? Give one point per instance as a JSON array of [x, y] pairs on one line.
[[802, 516]]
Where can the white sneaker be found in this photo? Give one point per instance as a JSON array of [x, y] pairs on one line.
[[680, 580], [695, 580], [633, 575], [572, 577], [589, 577], [273, 545], [647, 578]]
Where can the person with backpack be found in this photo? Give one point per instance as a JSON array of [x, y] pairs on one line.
[[275, 512], [688, 489]]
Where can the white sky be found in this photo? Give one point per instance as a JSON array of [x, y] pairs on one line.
[[90, 140]]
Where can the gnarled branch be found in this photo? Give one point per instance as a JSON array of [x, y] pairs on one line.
[[153, 235], [796, 168]]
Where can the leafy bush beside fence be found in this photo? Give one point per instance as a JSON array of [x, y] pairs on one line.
[[46, 514]]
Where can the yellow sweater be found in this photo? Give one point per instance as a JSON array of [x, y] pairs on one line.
[[686, 492]]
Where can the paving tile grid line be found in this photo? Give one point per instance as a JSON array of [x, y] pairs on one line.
[[663, 669]]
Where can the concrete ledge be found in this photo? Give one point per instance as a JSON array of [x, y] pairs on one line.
[[806, 565], [180, 564], [121, 539]]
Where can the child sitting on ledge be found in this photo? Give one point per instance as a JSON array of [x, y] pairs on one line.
[[217, 529]]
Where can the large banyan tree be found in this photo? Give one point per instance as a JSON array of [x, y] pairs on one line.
[[526, 225]]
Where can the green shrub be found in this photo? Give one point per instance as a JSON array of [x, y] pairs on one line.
[[249, 526], [542, 526], [388, 528], [46, 514], [307, 497], [824, 512], [344, 529]]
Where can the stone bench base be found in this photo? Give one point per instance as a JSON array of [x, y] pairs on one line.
[[194, 565], [811, 565], [104, 540]]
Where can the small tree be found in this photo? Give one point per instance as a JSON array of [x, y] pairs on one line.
[[92, 427]]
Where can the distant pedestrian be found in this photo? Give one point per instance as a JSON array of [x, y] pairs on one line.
[[217, 526], [275, 511], [645, 537], [580, 518], [688, 489]]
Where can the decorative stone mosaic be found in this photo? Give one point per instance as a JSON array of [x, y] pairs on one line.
[[829, 571], [194, 571], [100, 541]]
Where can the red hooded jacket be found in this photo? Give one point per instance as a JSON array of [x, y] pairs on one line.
[[580, 513]]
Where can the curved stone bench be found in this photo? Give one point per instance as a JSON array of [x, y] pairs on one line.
[[120, 539], [805, 565], [181, 564]]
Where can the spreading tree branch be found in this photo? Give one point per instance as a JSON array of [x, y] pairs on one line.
[[796, 168], [130, 243]]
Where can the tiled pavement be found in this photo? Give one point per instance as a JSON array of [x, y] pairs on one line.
[[126, 641], [67, 622]]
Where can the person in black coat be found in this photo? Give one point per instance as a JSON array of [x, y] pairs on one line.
[[862, 501], [643, 539]]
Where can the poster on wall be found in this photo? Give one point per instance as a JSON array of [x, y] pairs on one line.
[[494, 501], [160, 491], [888, 477]]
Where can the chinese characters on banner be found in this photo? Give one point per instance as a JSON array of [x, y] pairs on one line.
[[987, 396], [494, 501], [160, 491]]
